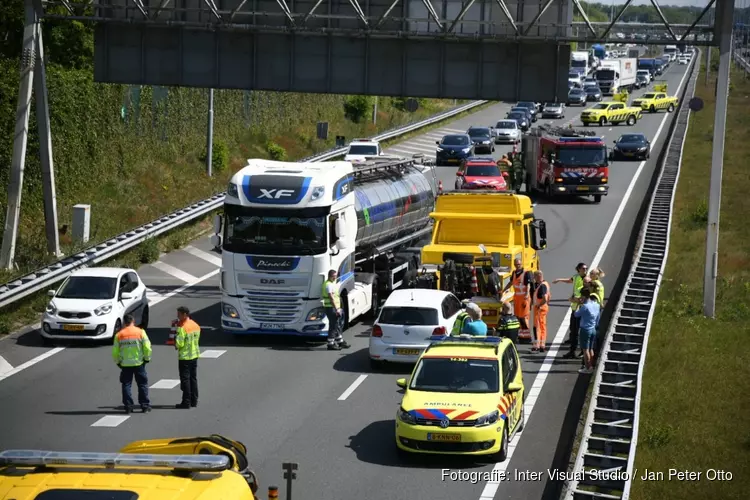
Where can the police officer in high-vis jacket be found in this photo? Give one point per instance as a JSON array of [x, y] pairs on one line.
[[186, 340], [508, 326], [131, 350], [332, 305], [458, 325]]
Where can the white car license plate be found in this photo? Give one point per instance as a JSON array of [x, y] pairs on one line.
[[271, 326]]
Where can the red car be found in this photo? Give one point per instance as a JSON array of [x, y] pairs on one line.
[[481, 173]]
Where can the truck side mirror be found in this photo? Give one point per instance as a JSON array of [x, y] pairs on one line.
[[538, 235], [215, 241], [341, 234], [217, 224]]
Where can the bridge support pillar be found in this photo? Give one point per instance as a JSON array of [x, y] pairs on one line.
[[33, 82], [724, 23]]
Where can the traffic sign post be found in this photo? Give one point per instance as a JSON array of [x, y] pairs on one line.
[[290, 475]]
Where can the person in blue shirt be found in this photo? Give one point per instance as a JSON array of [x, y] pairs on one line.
[[588, 314], [474, 326]]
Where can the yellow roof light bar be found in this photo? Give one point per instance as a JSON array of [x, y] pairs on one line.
[[40, 458]]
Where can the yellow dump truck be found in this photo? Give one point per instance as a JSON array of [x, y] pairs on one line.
[[487, 231], [197, 468]]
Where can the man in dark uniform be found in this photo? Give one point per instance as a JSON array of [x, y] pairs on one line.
[[508, 325]]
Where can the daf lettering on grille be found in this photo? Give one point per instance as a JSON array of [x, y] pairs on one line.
[[265, 281]]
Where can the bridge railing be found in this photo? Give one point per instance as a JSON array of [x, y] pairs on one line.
[[47, 276]]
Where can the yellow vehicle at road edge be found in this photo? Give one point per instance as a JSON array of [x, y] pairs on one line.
[[196, 468]]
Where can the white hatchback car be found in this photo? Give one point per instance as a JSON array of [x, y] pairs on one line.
[[91, 303], [407, 321]]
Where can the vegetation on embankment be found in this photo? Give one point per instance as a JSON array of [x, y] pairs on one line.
[[135, 154], [695, 410]]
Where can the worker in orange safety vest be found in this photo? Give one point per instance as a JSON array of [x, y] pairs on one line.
[[542, 297], [522, 281]]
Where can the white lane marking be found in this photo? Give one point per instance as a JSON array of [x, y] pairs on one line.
[[166, 383], [490, 489], [184, 287], [426, 142], [202, 254], [177, 273], [352, 387], [409, 148], [454, 130], [153, 295], [5, 367], [56, 350], [110, 421], [31, 362], [212, 354]]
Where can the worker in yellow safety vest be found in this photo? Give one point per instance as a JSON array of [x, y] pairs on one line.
[[186, 342], [332, 305], [577, 281], [131, 350]]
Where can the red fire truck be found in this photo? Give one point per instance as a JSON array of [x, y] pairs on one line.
[[565, 162]]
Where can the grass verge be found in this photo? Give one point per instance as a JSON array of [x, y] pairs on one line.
[[695, 410]]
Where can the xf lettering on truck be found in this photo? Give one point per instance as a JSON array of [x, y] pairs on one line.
[[276, 194], [265, 281]]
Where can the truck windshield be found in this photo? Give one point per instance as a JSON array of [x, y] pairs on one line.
[[605, 74], [582, 156], [578, 63], [460, 375], [252, 230]]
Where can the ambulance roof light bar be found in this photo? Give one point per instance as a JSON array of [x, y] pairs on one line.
[[40, 458]]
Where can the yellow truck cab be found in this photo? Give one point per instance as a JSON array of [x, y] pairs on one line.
[[487, 230], [503, 222], [203, 468]]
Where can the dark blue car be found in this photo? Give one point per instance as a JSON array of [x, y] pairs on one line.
[[452, 149]]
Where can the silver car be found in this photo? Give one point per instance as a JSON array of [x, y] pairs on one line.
[[553, 110], [507, 131]]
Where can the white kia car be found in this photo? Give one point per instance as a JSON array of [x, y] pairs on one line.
[[407, 321], [91, 303]]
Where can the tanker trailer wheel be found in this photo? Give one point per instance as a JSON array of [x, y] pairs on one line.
[[375, 306], [458, 258]]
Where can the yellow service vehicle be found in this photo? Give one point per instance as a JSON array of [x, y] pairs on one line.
[[198, 468], [476, 237], [611, 112], [654, 101]]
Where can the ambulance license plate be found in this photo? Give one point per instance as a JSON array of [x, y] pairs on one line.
[[439, 436]]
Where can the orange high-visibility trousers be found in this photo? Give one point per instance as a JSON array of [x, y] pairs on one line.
[[540, 322], [521, 308]]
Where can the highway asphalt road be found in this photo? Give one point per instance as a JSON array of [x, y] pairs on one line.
[[324, 410]]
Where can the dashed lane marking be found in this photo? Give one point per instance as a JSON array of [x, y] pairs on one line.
[[455, 130], [177, 273], [161, 298], [165, 383], [348, 392], [153, 296], [490, 489], [110, 421], [212, 354], [202, 254], [5, 367]]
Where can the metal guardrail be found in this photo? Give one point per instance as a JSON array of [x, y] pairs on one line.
[[606, 456], [42, 278]]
